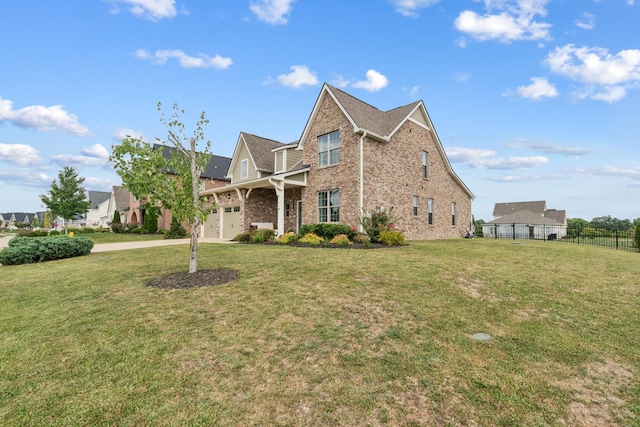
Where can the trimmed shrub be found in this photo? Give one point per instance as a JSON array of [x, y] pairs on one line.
[[151, 220], [38, 233], [176, 231], [262, 235], [23, 232], [102, 230], [311, 239], [242, 237], [289, 237], [391, 237], [54, 233], [341, 240], [328, 231], [26, 250]]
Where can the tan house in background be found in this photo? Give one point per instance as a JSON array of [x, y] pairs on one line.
[[350, 159]]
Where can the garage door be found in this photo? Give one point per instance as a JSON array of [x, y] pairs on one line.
[[231, 222], [210, 224]]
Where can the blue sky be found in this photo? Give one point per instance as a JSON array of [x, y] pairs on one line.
[[532, 99]]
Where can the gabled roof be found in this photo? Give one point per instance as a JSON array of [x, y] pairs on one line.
[[378, 124], [502, 209], [363, 117], [524, 217], [260, 152], [556, 215], [121, 198], [216, 168], [97, 197]]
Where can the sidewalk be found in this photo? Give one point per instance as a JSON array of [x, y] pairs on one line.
[[107, 247]]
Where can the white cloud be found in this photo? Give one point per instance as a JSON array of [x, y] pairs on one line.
[[160, 57], [605, 77], [505, 20], [482, 159], [272, 11], [148, 9], [587, 21], [42, 118], [121, 133], [375, 81], [25, 177], [97, 151], [467, 155], [74, 160], [549, 148], [98, 184], [300, 76], [410, 7], [19, 154], [538, 89]]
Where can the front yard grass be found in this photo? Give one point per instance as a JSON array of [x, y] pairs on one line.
[[326, 337]]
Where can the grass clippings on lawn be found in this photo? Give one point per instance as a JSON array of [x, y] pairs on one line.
[[186, 280]]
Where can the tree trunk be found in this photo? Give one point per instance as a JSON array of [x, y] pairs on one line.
[[195, 223]]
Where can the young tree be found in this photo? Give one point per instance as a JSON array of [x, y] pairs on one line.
[[66, 198], [171, 181]]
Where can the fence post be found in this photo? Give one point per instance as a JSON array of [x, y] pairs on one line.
[[513, 230], [616, 239]]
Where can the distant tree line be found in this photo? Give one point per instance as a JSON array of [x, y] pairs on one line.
[[604, 223]]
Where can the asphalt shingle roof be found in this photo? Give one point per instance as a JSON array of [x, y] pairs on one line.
[[260, 149]]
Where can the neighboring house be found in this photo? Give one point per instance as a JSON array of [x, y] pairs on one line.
[[213, 176], [526, 220], [9, 219], [351, 158], [118, 201], [94, 215]]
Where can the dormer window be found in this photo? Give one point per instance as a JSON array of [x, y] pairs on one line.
[[329, 149]]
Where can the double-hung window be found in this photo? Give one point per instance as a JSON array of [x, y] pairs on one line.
[[430, 211], [329, 149], [425, 168], [329, 206], [416, 199]]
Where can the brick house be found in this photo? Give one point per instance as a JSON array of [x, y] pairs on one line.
[[213, 176], [350, 159]]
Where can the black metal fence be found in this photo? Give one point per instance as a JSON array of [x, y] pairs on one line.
[[614, 239]]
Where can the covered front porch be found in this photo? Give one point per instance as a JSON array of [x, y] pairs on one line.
[[270, 202]]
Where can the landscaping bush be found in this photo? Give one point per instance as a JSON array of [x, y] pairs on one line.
[[38, 233], [311, 239], [117, 227], [391, 237], [376, 221], [102, 230], [151, 220], [262, 235], [176, 231], [289, 237], [87, 230], [23, 232], [54, 233], [341, 240], [242, 237], [26, 250], [328, 231]]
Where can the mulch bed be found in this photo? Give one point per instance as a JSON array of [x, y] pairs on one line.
[[186, 280]]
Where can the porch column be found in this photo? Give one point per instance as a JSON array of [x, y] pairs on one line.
[[279, 187]]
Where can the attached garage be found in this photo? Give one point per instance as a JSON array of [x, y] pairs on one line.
[[211, 225], [230, 222]]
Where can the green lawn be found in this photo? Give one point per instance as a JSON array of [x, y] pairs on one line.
[[326, 337], [120, 237]]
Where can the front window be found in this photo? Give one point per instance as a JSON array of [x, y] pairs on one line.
[[329, 149], [425, 170], [329, 206], [415, 205], [244, 169], [430, 211]]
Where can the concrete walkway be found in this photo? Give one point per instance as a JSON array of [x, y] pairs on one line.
[[108, 247]]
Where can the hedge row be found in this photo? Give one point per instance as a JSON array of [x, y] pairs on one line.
[[27, 250]]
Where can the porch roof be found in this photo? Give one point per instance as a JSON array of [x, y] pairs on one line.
[[265, 182]]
